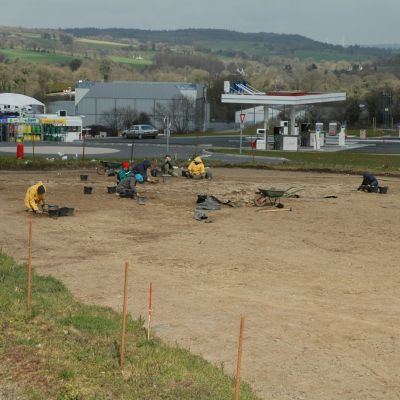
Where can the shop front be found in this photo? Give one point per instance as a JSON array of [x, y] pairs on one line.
[[41, 127]]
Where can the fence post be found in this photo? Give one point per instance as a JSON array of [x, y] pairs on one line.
[[122, 349]]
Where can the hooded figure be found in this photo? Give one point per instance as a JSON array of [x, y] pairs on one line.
[[369, 183], [196, 168], [34, 196], [141, 169]]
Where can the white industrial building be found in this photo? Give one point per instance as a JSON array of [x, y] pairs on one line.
[[94, 99]]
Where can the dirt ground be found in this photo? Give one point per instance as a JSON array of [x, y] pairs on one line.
[[318, 286]]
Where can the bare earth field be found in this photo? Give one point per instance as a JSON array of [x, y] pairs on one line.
[[319, 287]]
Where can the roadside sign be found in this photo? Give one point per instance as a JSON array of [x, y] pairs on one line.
[[242, 117]]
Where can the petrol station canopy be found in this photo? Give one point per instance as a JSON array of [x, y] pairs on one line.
[[242, 93]]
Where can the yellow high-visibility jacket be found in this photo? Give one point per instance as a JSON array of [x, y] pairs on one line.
[[32, 198], [197, 169]]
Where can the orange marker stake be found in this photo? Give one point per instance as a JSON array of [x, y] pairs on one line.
[[28, 295], [122, 349], [150, 310], [239, 359]]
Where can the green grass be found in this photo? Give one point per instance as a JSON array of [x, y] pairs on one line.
[[41, 163], [36, 57], [64, 350], [342, 162], [319, 56], [140, 64]]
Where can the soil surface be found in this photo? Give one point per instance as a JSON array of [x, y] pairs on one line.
[[318, 286]]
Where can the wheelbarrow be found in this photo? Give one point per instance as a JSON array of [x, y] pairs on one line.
[[271, 197], [111, 168]]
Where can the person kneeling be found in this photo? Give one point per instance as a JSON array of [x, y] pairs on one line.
[[127, 187], [196, 170], [369, 183], [34, 197]]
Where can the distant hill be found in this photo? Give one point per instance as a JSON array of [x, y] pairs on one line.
[[394, 46], [218, 40]]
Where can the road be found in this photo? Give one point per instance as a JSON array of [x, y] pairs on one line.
[[185, 148], [119, 148]]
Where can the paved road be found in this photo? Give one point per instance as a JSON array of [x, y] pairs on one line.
[[123, 150], [184, 148]]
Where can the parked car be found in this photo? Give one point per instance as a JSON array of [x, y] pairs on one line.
[[141, 132]]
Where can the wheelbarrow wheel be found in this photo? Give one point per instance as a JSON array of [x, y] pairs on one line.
[[260, 201]]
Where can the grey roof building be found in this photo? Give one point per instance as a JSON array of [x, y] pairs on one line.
[[95, 99]]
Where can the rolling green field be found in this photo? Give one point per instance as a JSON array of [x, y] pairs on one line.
[[140, 64], [326, 56], [62, 349], [37, 57]]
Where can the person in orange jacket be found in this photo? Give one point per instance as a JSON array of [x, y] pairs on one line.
[[35, 196]]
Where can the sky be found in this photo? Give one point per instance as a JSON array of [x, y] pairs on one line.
[[343, 22]]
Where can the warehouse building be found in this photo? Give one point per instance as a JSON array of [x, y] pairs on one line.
[[95, 100]]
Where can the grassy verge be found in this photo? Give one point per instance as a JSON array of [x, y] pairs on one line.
[[337, 162], [342, 162], [41, 163], [64, 350]]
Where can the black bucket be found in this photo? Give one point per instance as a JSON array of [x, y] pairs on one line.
[[111, 189], [383, 189], [87, 190], [84, 177], [53, 211], [66, 212]]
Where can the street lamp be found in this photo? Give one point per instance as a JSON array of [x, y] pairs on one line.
[[83, 138]]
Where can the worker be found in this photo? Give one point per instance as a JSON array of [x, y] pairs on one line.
[[124, 171], [127, 187], [196, 170], [141, 171], [369, 183], [35, 196], [167, 168]]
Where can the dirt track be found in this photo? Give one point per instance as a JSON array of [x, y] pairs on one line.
[[319, 286]]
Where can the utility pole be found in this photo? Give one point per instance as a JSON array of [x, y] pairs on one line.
[[167, 130]]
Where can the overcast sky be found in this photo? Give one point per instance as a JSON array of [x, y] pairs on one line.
[[333, 21]]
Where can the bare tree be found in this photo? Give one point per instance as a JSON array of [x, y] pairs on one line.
[[130, 117], [113, 119], [105, 69], [119, 118], [181, 112]]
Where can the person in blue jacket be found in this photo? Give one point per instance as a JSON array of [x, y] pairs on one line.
[[124, 172], [369, 183]]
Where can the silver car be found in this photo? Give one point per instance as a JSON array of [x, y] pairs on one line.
[[141, 132]]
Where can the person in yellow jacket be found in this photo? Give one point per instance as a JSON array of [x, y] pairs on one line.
[[35, 196], [197, 170]]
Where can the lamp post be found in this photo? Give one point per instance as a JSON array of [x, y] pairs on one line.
[[83, 139], [167, 124], [132, 144]]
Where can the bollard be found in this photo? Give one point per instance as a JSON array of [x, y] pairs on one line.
[[20, 151]]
